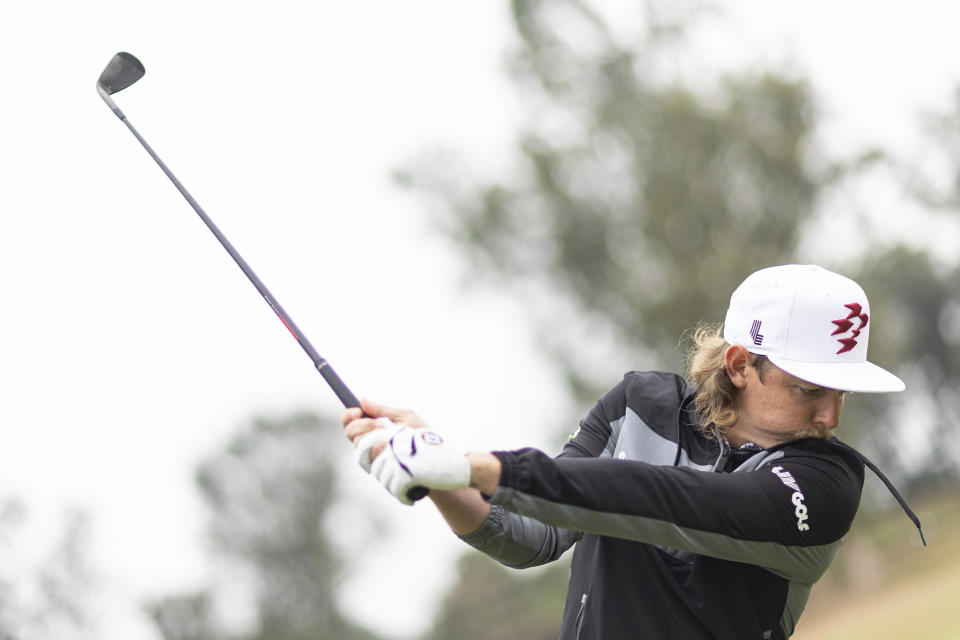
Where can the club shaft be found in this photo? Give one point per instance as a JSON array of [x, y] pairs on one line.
[[339, 388]]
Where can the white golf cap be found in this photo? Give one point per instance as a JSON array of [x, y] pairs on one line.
[[812, 323]]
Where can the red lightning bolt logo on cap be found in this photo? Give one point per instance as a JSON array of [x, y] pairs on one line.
[[845, 324]]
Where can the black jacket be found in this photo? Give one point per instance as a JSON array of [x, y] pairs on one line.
[[677, 536]]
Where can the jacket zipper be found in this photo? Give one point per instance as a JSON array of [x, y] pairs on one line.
[[724, 454], [583, 609]]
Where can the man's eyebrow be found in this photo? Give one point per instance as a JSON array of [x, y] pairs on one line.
[[808, 385]]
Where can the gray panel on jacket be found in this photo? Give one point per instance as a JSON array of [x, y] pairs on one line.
[[633, 439]]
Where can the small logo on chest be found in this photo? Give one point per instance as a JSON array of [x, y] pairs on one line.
[[798, 500]]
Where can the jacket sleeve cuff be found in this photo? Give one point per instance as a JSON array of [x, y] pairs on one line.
[[509, 472], [492, 526]]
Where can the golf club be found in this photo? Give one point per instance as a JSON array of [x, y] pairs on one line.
[[122, 71]]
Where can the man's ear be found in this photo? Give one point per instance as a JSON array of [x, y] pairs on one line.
[[737, 359]]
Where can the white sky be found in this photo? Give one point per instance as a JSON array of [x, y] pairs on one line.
[[131, 347]]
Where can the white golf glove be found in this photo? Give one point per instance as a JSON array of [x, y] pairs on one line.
[[417, 458], [370, 439]]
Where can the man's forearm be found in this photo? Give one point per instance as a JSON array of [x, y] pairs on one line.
[[465, 509]]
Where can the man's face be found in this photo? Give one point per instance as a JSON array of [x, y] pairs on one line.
[[775, 406]]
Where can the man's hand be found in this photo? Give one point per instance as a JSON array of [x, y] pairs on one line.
[[370, 444], [370, 426], [401, 452], [418, 458]]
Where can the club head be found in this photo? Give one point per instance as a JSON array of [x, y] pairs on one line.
[[121, 72]]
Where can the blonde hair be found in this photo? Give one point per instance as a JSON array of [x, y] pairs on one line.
[[707, 369]]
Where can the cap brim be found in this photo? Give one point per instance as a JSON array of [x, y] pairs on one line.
[[860, 377]]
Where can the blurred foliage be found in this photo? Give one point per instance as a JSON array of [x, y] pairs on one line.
[[268, 495], [920, 302], [638, 205], [919, 336], [46, 597], [489, 602]]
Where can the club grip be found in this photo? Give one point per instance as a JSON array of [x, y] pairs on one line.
[[417, 493], [343, 392]]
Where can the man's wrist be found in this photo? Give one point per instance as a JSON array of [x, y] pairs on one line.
[[484, 472]]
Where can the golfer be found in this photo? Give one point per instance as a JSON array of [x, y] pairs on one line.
[[700, 508]]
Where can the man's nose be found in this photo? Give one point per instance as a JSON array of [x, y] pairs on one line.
[[828, 410]]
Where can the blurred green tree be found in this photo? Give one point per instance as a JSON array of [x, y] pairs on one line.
[[269, 494], [637, 202], [50, 597], [917, 289], [919, 301], [489, 602]]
